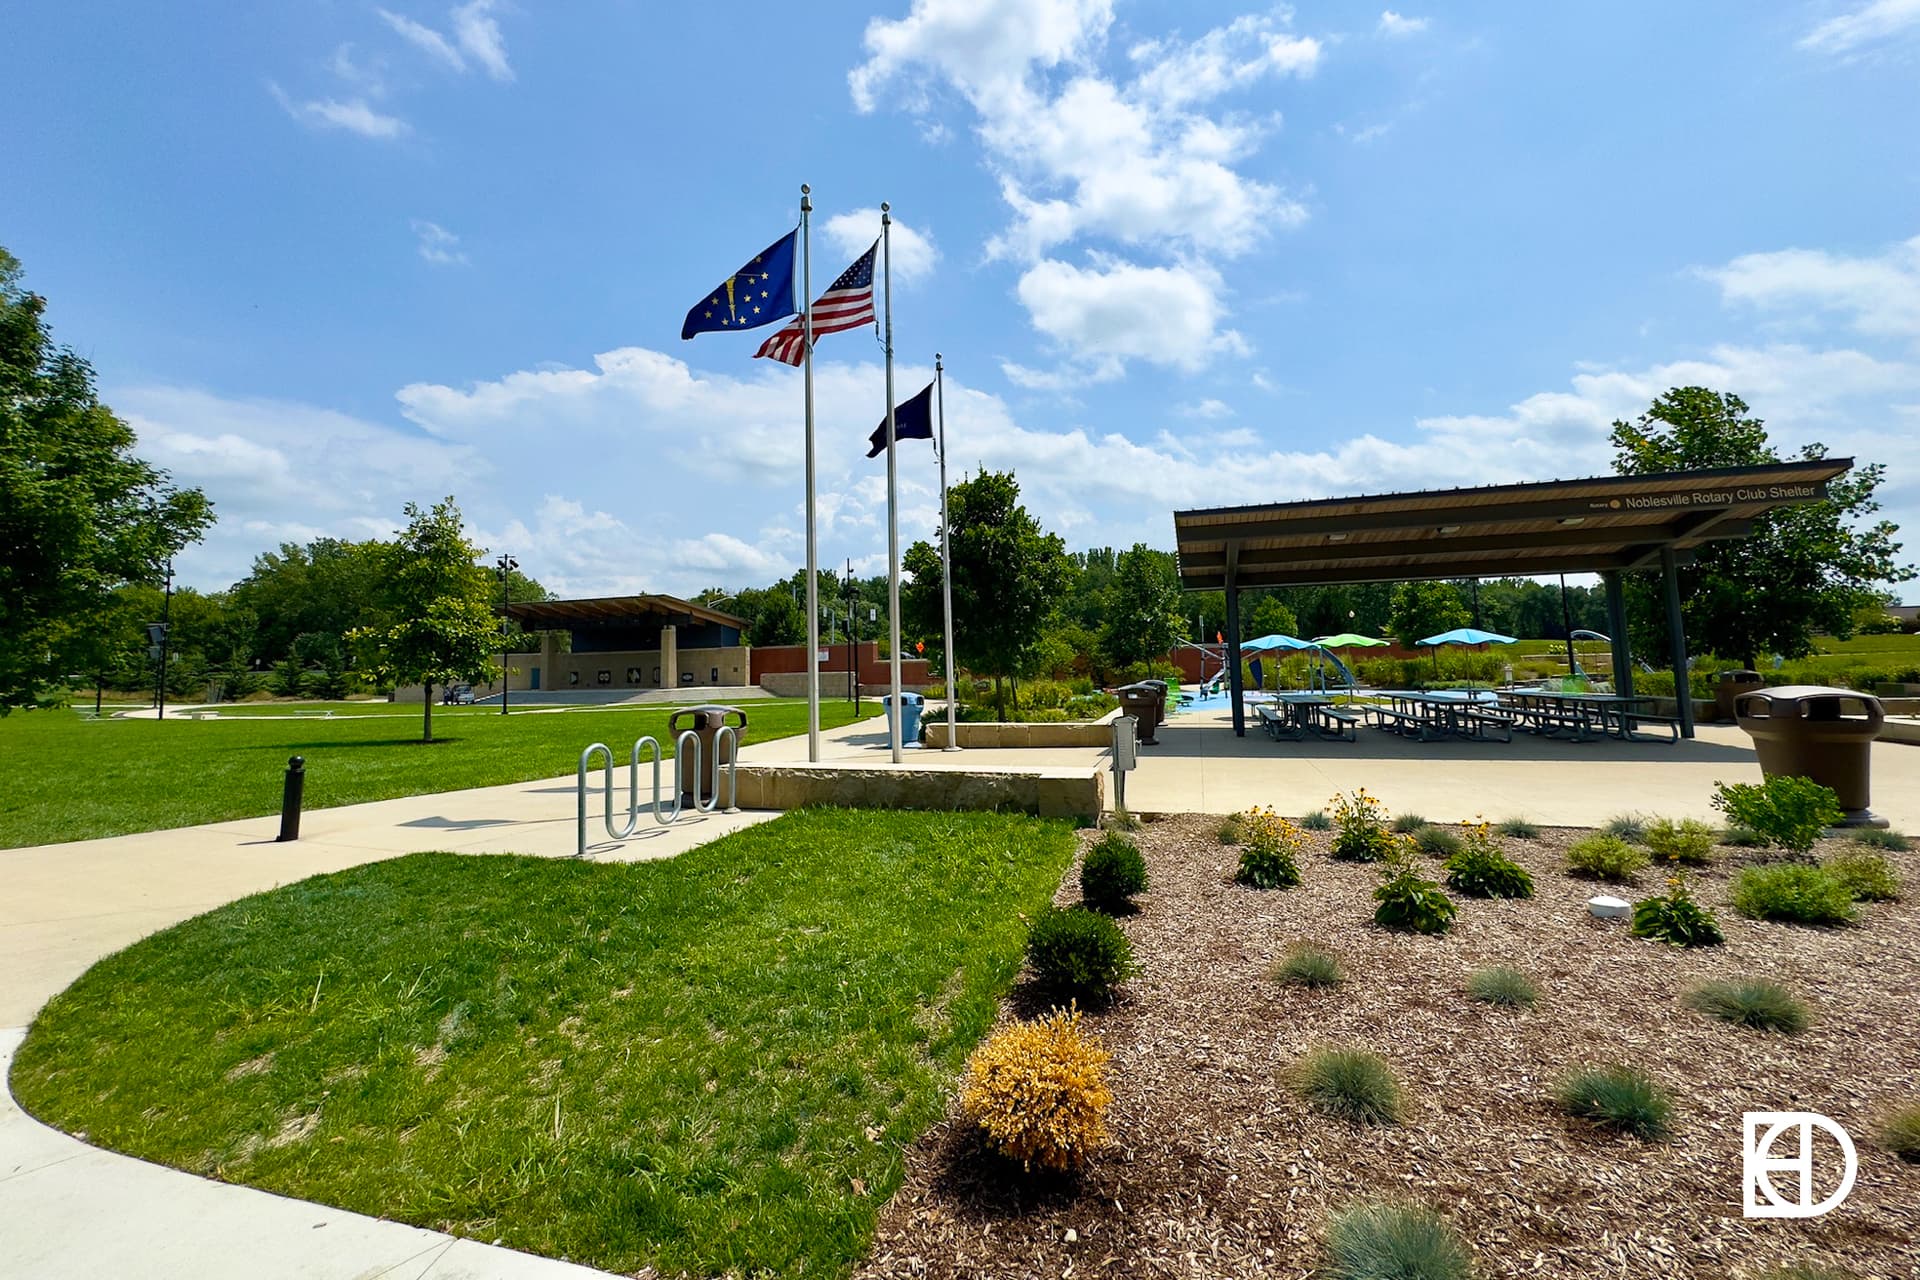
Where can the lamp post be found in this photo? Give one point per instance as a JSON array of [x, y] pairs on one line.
[[166, 618], [506, 564]]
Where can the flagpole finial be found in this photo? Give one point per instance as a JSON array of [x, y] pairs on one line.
[[885, 209], [805, 190]]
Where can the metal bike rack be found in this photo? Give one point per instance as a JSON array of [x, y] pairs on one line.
[[686, 753]]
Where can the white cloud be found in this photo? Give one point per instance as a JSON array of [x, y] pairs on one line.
[[914, 252], [1206, 409], [355, 115], [479, 35], [475, 39], [1394, 26], [1879, 295], [1118, 311], [1083, 154], [438, 245], [425, 38], [1875, 21]]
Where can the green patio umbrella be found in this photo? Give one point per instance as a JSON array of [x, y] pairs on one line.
[[1348, 640]]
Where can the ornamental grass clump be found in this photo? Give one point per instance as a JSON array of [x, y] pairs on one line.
[[1408, 823], [1676, 917], [1360, 824], [1901, 1133], [1688, 842], [1479, 870], [1793, 892], [1437, 842], [1504, 986], [1519, 829], [1316, 821], [1310, 965], [1867, 876], [1630, 827], [1621, 1098], [1269, 851], [1395, 1242], [1077, 954], [1408, 901], [1112, 873], [1880, 838], [1038, 1090], [1355, 1085], [1737, 837], [1605, 856], [1751, 1002], [1789, 813]]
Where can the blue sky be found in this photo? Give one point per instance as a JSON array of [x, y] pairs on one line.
[[332, 256]]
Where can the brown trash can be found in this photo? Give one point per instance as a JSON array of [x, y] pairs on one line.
[[1146, 702], [1730, 685], [1811, 731], [706, 723]]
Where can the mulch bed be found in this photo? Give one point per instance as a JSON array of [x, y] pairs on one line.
[[1217, 1169]]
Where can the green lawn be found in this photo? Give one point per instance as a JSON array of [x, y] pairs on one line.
[[65, 778], [707, 1065]]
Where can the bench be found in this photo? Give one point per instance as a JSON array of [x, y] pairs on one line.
[[1483, 722], [1275, 724], [1339, 723], [1634, 720]]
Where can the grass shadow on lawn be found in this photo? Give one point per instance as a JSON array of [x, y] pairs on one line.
[[711, 1064]]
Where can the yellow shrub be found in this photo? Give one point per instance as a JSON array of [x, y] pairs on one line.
[[1039, 1090]]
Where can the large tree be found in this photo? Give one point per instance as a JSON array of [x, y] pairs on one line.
[[439, 625], [1009, 576], [1143, 620], [1422, 609], [80, 514], [1803, 571]]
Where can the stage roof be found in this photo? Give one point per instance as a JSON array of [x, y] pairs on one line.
[[555, 615], [1513, 530]]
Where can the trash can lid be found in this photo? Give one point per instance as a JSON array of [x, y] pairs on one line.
[[1796, 692]]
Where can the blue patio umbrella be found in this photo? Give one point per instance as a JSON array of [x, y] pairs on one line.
[[1274, 643], [1463, 636]]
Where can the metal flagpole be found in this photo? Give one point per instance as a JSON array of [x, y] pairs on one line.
[[897, 713], [946, 555], [813, 569]]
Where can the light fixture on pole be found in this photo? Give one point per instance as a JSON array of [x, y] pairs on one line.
[[506, 564]]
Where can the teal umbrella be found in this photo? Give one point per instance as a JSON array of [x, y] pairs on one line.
[[1463, 636]]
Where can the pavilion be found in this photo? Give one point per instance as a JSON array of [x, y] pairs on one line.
[[631, 642], [1609, 525]]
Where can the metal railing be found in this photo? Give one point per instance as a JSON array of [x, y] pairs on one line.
[[686, 789]]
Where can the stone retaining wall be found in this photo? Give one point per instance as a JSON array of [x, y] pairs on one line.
[[1050, 793], [986, 735]]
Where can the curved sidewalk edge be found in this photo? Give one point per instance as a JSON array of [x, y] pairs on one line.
[[69, 1211]]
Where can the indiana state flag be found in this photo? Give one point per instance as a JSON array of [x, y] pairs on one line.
[[761, 292]]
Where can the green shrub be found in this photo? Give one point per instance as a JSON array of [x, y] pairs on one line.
[[1317, 821], [1519, 829], [1676, 918], [1868, 876], [1361, 823], [1232, 829], [1742, 838], [1789, 812], [1688, 841], [1630, 827], [1353, 1084], [1112, 873], [1078, 954], [1617, 1097], [1605, 856], [1504, 986], [1409, 901], [1395, 1242], [1307, 964], [1880, 838], [1793, 892], [1479, 870], [1437, 842], [1269, 851], [1408, 823], [1901, 1133], [1751, 1002]]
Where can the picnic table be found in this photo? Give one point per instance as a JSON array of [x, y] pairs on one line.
[[1586, 716], [1439, 714], [1295, 715]]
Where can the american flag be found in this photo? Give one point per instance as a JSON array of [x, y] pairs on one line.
[[847, 304]]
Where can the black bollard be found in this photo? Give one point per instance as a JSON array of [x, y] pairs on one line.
[[296, 786]]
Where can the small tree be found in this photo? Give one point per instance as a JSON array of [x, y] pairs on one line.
[[1143, 608], [440, 625], [1422, 609]]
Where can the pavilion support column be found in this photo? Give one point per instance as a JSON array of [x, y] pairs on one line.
[[1617, 628], [1235, 682], [1677, 642]]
